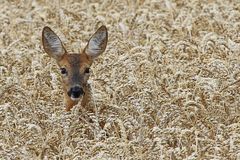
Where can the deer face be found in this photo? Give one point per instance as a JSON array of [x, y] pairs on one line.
[[74, 68]]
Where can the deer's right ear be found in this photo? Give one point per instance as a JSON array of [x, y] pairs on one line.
[[52, 44], [97, 43]]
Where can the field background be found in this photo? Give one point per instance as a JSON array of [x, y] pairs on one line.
[[167, 86]]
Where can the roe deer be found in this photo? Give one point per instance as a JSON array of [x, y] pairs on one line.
[[74, 68]]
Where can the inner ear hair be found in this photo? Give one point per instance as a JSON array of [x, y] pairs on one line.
[[97, 43], [52, 43]]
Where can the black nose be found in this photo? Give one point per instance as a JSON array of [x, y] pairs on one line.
[[76, 92]]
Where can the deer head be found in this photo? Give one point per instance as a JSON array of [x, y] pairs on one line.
[[74, 68]]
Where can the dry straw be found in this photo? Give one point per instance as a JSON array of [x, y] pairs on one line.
[[167, 86]]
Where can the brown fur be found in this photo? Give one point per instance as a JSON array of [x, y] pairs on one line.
[[73, 62]]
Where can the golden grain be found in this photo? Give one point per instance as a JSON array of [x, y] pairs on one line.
[[167, 87]]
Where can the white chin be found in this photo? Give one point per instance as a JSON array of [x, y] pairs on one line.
[[75, 99]]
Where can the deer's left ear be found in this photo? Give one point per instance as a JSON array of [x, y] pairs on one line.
[[52, 44], [97, 43]]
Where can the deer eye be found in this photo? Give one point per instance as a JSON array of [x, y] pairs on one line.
[[63, 70], [87, 70]]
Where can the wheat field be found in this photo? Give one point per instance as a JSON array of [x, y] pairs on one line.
[[167, 86]]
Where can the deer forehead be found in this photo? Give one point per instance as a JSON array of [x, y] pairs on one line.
[[75, 61]]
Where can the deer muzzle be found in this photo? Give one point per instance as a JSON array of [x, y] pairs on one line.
[[75, 92]]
